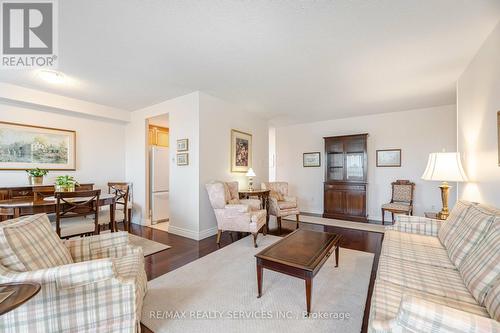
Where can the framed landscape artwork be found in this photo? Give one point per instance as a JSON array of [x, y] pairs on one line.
[[25, 147], [389, 158], [311, 159], [241, 151]]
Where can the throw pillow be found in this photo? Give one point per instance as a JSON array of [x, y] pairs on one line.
[[481, 268], [35, 244], [468, 233], [456, 217]]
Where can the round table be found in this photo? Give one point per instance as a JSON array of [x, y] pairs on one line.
[[21, 293]]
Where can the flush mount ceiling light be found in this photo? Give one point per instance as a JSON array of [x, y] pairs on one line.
[[51, 76]]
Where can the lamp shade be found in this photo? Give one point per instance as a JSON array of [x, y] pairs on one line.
[[446, 167], [250, 173]]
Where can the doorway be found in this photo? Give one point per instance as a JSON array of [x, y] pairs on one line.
[[158, 152]]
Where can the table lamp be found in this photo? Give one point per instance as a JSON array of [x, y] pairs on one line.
[[444, 167], [250, 174]]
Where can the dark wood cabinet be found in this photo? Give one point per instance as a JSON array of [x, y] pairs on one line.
[[346, 170]]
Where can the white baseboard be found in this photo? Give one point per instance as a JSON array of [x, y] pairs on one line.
[[207, 233], [183, 232]]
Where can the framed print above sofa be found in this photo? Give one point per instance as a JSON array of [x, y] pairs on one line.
[[27, 146]]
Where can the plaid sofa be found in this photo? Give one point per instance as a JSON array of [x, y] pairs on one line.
[[101, 290], [439, 276]]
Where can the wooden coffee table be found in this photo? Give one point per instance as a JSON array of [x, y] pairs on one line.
[[301, 254]]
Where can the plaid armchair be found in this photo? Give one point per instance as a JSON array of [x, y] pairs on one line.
[[100, 290], [233, 214], [280, 203]]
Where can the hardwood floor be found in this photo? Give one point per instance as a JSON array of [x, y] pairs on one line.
[[185, 250]]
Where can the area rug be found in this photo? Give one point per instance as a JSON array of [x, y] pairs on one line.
[[149, 247], [339, 223], [218, 293]]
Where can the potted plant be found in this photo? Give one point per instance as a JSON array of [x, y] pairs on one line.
[[35, 175], [66, 184]]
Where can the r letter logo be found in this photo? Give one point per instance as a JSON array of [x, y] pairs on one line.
[[28, 34]]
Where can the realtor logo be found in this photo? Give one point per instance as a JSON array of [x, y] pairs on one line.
[[28, 33]]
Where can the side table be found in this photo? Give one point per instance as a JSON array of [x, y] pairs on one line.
[[21, 293]]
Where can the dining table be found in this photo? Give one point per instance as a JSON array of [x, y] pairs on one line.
[[32, 205]]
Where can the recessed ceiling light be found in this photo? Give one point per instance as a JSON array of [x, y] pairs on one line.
[[51, 76]]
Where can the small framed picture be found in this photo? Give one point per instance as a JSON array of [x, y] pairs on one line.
[[310, 160], [389, 158], [183, 159], [183, 145]]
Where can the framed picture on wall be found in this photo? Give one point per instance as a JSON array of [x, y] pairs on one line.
[[241, 151], [310, 160], [183, 159], [27, 146], [183, 145], [389, 158]]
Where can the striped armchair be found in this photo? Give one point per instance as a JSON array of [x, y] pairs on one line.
[[100, 288]]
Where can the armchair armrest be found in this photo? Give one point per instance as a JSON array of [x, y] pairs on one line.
[[98, 246], [237, 209], [416, 225], [420, 316], [290, 198], [66, 276]]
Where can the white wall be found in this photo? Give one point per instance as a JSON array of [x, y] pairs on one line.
[[184, 123], [416, 132], [478, 101], [100, 149], [217, 118]]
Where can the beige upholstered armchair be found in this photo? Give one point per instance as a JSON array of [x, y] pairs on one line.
[[280, 203], [233, 214], [90, 284]]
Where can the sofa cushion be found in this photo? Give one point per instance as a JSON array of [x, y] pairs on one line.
[[425, 278], [418, 239], [463, 238], [481, 268], [34, 243], [387, 297], [492, 301], [420, 253], [450, 224]]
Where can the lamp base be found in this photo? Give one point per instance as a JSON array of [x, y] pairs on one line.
[[250, 184], [445, 191]]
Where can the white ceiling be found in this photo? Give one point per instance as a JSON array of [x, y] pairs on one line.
[[291, 60]]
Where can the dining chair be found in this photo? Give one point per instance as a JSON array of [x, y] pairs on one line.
[[7, 213], [121, 190], [73, 210]]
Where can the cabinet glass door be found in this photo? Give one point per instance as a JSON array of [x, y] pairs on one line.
[[354, 166]]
